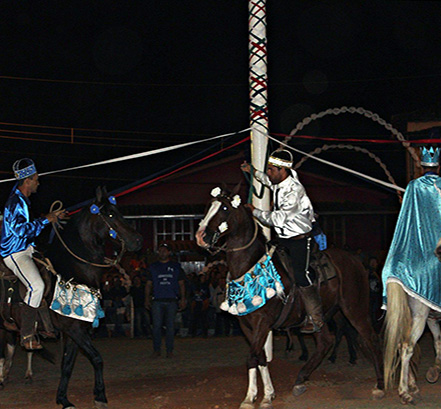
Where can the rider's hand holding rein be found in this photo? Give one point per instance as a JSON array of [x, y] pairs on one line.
[[56, 215], [246, 167]]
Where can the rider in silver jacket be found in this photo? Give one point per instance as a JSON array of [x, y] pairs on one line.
[[292, 217]]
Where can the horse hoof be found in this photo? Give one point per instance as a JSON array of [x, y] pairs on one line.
[[298, 390], [266, 404], [28, 381], [378, 394], [100, 405], [2, 386], [407, 399], [432, 375], [246, 405]]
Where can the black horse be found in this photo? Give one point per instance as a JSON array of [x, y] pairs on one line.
[[78, 254], [231, 224]]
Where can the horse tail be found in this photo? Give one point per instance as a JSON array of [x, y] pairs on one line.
[[398, 323]]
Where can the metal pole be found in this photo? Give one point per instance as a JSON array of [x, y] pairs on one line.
[[258, 94]]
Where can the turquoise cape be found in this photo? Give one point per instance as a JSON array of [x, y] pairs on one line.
[[411, 260]]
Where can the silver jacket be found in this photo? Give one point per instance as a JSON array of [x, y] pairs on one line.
[[293, 213]]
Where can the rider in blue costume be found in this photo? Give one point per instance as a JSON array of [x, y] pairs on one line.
[[411, 261], [17, 245]]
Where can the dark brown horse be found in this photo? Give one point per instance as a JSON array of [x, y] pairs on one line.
[[229, 226], [80, 257]]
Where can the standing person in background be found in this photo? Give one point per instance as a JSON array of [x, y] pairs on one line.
[[166, 285], [19, 230]]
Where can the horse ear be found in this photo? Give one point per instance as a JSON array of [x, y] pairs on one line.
[[236, 189], [99, 194], [224, 187], [104, 191]]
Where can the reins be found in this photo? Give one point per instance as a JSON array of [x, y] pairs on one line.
[[55, 227], [227, 250]]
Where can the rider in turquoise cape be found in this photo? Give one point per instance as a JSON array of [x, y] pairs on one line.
[[411, 261]]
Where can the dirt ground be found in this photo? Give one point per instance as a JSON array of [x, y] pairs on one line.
[[207, 373]]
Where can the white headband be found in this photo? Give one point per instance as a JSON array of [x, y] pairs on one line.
[[279, 162]]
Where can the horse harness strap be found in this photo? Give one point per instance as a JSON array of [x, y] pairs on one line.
[[224, 247], [288, 304], [110, 264]]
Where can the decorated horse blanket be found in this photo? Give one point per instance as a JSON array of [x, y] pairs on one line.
[[411, 261]]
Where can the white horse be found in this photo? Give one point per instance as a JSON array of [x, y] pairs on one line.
[[405, 321]]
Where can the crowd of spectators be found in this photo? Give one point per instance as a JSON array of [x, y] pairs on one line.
[[123, 301]]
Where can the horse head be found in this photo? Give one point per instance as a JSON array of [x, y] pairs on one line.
[[105, 220], [224, 217]]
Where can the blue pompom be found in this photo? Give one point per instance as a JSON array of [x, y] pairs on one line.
[[79, 310], [94, 209], [56, 305], [66, 310], [113, 233], [99, 312], [96, 322], [112, 200]]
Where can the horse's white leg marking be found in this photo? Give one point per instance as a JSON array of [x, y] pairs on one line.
[[432, 374], [29, 372], [419, 312], [268, 347], [10, 351], [248, 402], [268, 388]]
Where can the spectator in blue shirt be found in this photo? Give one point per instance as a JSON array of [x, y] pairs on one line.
[[166, 286]]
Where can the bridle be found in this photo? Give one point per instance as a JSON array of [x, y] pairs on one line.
[[94, 210], [218, 249]]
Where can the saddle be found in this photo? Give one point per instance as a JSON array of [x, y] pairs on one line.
[[12, 292], [319, 262]]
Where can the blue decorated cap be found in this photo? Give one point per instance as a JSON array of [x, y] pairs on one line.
[[23, 168], [429, 157]]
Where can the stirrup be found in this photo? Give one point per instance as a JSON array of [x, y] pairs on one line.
[[31, 343]]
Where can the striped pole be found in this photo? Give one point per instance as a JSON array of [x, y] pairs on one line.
[[258, 93]]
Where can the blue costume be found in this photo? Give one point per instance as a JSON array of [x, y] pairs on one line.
[[411, 260], [18, 231]]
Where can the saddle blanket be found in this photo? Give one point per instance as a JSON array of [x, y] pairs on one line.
[[77, 301]]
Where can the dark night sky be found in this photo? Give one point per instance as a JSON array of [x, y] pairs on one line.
[[178, 71]]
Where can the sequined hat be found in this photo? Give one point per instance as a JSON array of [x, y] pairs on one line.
[[281, 158], [23, 168], [429, 157]]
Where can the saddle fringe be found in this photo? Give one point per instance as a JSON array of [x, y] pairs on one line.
[[398, 324]]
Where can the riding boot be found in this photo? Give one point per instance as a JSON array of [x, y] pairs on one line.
[[313, 306], [48, 330], [28, 327]]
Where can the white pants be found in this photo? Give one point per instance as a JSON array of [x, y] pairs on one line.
[[24, 268]]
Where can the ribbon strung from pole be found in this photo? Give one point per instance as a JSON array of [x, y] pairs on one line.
[[354, 172], [138, 155]]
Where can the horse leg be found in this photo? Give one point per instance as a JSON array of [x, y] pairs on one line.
[[11, 343], [371, 341], [248, 402], [29, 374], [432, 374], [324, 341], [301, 338], [83, 340], [419, 312], [259, 339], [338, 338], [70, 351]]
